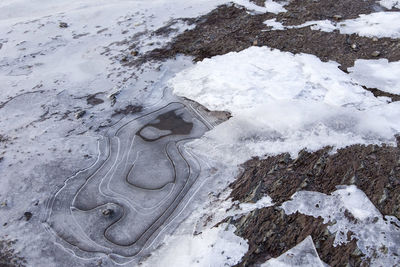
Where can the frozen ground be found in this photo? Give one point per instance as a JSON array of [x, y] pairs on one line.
[[94, 165]]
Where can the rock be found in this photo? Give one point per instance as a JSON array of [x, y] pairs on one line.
[[63, 25], [375, 39], [113, 97], [337, 17], [134, 53], [375, 54], [255, 42], [354, 46], [80, 114], [107, 212], [28, 215]]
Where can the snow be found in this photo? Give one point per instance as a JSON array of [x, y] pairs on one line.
[[218, 246], [372, 231], [378, 73], [282, 102], [390, 3], [303, 254], [379, 24], [270, 6]]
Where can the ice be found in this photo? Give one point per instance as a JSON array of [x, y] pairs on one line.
[[376, 235], [218, 246], [303, 254], [282, 102], [378, 73], [390, 3]]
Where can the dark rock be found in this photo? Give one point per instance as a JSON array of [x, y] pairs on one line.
[[28, 215], [130, 109], [63, 25], [80, 114]]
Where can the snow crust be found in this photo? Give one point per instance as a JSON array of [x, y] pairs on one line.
[[282, 102], [376, 235], [379, 74], [379, 24]]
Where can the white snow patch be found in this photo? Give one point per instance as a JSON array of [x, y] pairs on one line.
[[379, 74], [218, 246], [270, 6], [303, 254], [282, 102], [376, 236], [390, 3], [379, 24]]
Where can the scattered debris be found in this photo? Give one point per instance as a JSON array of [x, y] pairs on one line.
[[130, 109]]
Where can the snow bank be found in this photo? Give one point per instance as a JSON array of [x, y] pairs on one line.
[[376, 236], [282, 102], [377, 74], [217, 246]]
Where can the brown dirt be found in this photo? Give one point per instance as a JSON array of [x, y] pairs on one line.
[[374, 169], [8, 256], [300, 11], [270, 232], [229, 28]]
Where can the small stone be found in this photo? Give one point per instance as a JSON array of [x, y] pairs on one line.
[[28, 215], [134, 53], [375, 39], [375, 54], [354, 46], [337, 17], [80, 114], [255, 42], [63, 25], [107, 212]]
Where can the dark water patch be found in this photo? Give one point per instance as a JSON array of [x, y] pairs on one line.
[[169, 121]]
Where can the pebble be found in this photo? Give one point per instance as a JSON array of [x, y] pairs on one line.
[[375, 39], [107, 212], [28, 215], [375, 54], [134, 53], [337, 17], [63, 25], [255, 42], [354, 46], [80, 114]]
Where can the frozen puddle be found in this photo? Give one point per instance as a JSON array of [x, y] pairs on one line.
[[139, 182]]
